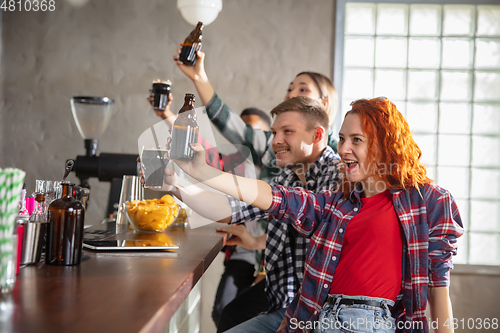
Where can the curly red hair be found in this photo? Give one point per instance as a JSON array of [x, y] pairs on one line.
[[392, 151]]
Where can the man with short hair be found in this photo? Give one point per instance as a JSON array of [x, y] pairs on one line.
[[300, 131]]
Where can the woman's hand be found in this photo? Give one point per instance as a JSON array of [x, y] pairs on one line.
[[241, 237], [282, 325], [197, 166], [195, 72]]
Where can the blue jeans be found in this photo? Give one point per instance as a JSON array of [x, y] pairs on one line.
[[341, 318], [263, 323]]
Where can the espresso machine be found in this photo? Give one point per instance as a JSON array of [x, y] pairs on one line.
[[92, 116]]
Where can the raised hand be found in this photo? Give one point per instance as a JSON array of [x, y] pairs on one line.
[[193, 72], [167, 113]]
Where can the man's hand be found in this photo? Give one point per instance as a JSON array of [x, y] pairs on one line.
[[169, 180], [242, 237]]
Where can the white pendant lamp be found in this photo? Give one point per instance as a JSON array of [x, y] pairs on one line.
[[195, 11]]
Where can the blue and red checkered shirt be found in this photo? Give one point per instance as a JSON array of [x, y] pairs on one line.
[[285, 253], [431, 224]]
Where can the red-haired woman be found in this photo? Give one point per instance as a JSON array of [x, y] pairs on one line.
[[381, 244]]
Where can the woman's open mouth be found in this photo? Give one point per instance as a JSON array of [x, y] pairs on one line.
[[350, 164]]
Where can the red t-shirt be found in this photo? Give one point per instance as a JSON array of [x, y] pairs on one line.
[[370, 263]]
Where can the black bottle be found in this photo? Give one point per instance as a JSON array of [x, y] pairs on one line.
[[191, 44]]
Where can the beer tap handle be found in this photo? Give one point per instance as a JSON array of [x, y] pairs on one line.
[[68, 168]]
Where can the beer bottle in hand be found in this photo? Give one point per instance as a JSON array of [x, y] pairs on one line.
[[191, 44], [185, 131]]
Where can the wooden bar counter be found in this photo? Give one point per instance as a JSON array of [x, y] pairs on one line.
[[116, 291]]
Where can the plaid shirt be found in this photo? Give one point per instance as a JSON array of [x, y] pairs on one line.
[[234, 129], [285, 252], [431, 224], [211, 154]]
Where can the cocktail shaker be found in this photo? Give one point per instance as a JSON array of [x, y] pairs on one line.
[[33, 241]]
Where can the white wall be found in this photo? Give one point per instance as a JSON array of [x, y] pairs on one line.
[[116, 48]]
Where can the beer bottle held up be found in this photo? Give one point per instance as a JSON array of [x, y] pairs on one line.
[[185, 131], [191, 44]]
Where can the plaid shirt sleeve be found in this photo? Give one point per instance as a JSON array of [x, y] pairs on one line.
[[242, 212], [211, 154], [302, 208], [445, 226], [234, 129]]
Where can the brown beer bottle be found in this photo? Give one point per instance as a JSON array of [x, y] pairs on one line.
[[185, 131], [65, 229], [191, 44]]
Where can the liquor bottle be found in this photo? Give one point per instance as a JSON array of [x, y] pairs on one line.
[[191, 44], [39, 213], [185, 131], [21, 220], [65, 229], [22, 202]]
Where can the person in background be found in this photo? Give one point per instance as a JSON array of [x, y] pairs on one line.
[[381, 243], [300, 144], [212, 155], [253, 117], [240, 264], [256, 118], [232, 127]]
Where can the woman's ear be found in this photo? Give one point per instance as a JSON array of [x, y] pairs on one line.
[[326, 104]]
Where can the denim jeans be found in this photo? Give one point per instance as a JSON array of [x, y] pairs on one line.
[[263, 323], [341, 318]]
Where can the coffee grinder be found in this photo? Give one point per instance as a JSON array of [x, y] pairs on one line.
[[92, 115]]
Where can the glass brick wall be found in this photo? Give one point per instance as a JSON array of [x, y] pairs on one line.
[[440, 65]]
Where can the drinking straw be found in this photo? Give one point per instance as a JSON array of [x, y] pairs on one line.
[[11, 183], [30, 205]]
